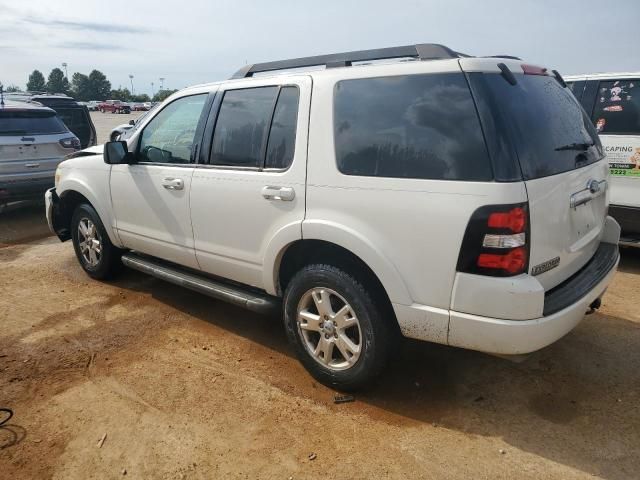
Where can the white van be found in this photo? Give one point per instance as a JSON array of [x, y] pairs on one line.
[[612, 100]]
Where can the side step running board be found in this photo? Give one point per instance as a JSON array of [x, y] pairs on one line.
[[261, 303]]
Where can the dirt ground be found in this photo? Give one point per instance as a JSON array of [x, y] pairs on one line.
[[187, 387]]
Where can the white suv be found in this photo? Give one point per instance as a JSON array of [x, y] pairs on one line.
[[451, 199]]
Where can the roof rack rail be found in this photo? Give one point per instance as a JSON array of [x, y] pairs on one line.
[[423, 51]]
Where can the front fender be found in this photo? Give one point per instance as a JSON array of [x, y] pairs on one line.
[[93, 184]]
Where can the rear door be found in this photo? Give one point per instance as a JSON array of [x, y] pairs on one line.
[[564, 169], [250, 189]]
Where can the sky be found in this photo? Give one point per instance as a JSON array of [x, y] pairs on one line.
[[197, 41]]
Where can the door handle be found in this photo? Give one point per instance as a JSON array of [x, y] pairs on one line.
[[171, 183], [285, 194]]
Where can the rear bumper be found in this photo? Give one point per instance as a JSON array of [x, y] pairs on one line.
[[564, 308], [24, 189]]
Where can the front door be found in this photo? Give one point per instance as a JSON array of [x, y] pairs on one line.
[[249, 193], [151, 196]]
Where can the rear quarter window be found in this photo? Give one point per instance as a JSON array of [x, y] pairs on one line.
[[415, 126]]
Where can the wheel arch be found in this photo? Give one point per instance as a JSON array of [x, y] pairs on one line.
[[76, 193]]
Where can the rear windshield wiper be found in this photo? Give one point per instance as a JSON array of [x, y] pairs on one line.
[[575, 146]]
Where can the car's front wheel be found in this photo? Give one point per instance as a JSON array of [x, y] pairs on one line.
[[337, 329], [94, 250]]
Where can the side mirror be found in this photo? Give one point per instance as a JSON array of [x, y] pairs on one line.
[[132, 122], [116, 153]]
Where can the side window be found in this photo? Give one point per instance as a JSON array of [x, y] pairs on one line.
[[414, 126], [241, 129], [169, 136], [617, 108], [282, 137]]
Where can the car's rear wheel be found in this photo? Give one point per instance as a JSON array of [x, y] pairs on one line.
[[94, 250], [337, 329]]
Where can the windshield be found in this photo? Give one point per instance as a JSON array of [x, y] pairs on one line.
[[548, 128], [30, 123]]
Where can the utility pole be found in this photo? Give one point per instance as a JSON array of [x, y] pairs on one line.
[[131, 78], [161, 83], [64, 65]]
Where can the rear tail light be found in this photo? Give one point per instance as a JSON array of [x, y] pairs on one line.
[[496, 241], [70, 142]]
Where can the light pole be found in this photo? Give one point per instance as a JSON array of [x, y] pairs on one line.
[[64, 65], [152, 94], [161, 83], [131, 78]]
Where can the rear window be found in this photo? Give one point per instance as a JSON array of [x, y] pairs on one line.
[[30, 123], [547, 126], [617, 107], [414, 126]]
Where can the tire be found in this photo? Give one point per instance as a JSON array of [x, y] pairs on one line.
[[114, 136], [102, 110], [104, 262], [305, 322]]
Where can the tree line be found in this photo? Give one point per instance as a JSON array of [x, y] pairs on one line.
[[94, 86]]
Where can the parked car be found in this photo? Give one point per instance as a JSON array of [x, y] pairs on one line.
[[139, 107], [73, 114], [33, 141], [613, 102], [114, 106], [460, 201], [93, 105]]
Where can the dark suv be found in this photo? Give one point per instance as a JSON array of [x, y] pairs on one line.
[[74, 115]]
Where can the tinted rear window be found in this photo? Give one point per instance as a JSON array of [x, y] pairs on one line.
[[30, 123], [547, 126], [414, 126]]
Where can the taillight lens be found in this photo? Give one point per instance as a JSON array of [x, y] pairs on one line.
[[496, 241], [70, 142], [512, 262], [515, 220]]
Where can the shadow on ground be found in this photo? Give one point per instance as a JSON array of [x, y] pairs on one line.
[[574, 402]]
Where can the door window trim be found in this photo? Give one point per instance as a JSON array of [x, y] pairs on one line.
[[204, 155], [197, 137]]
